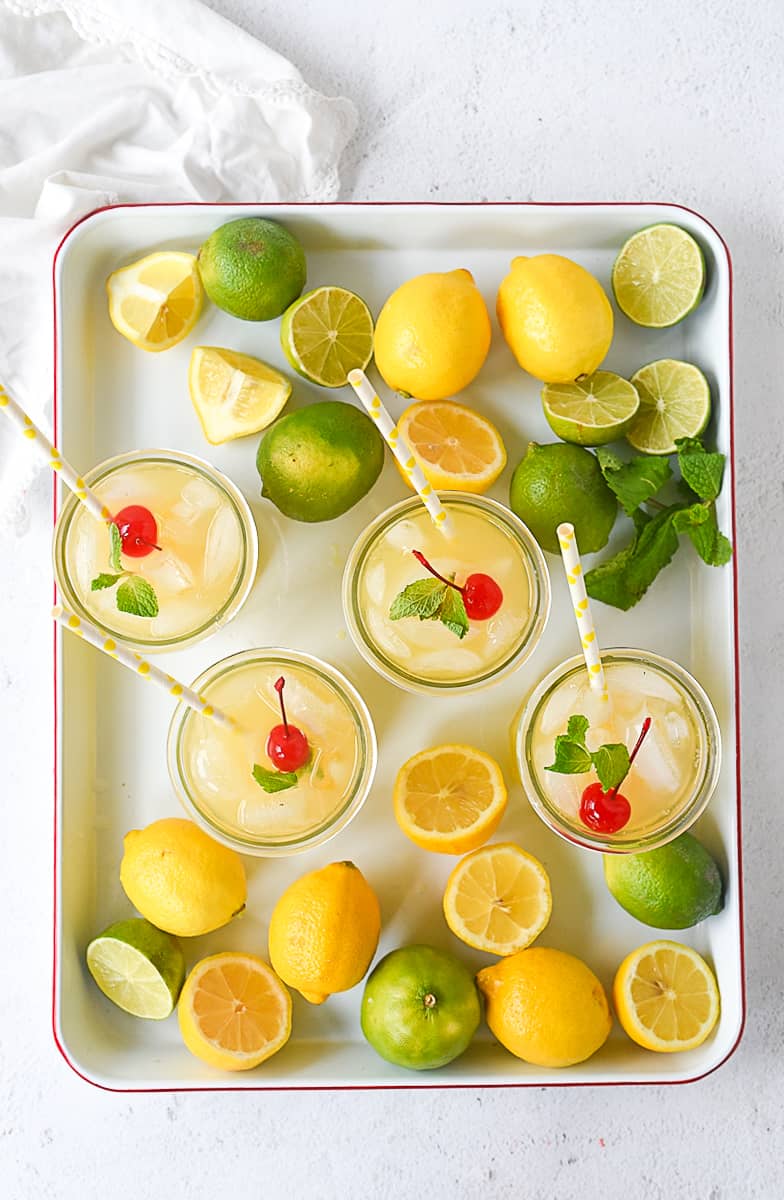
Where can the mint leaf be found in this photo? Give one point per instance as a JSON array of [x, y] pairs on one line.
[[103, 581], [625, 578], [570, 759], [577, 728], [115, 548], [633, 482], [135, 595], [701, 470], [611, 763], [274, 781], [452, 613], [421, 599], [699, 523]]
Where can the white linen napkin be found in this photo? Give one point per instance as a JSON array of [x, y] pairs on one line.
[[102, 102]]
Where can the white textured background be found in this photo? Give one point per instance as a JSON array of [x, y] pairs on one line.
[[563, 100]]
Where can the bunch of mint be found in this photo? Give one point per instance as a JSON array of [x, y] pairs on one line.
[[625, 578]]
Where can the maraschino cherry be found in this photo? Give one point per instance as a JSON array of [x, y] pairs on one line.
[[481, 594], [608, 812], [287, 746], [138, 531]]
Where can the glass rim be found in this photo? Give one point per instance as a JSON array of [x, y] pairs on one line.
[[361, 783], [703, 788], [249, 553], [539, 579]]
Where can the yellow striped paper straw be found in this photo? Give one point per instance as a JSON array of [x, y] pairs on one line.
[[47, 450], [582, 609], [371, 402], [134, 662]]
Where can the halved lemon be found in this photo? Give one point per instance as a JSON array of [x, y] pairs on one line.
[[450, 799], [233, 394], [457, 449], [498, 899], [156, 301], [234, 1012], [666, 997]]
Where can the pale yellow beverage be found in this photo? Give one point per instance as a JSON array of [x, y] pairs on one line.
[[212, 767], [200, 569], [426, 655], [674, 773]]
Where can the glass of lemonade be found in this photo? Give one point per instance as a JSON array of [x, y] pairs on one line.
[[675, 772], [426, 655], [201, 567], [212, 767]]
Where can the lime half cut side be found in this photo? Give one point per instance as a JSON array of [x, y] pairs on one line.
[[592, 411], [659, 276], [675, 402], [138, 967], [327, 333]]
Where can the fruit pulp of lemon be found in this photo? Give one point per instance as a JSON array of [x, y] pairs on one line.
[[669, 764], [200, 562], [428, 649], [217, 763]]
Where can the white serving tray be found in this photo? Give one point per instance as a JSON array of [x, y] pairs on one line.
[[110, 745]]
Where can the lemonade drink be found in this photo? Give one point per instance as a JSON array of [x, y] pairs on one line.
[[212, 767], [201, 567], [426, 655], [674, 773]]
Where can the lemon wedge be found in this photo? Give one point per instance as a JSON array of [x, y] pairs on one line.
[[156, 301], [233, 394]]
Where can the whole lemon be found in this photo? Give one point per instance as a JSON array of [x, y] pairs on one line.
[[324, 931], [433, 335], [546, 1007], [555, 316], [180, 879]]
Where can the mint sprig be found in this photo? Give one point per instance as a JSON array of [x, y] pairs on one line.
[[274, 781], [611, 761], [135, 595], [431, 600]]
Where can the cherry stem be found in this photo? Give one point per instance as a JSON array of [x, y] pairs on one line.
[[645, 727], [279, 686], [419, 556]]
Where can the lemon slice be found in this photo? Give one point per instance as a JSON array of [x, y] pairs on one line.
[[659, 276], [666, 997], [456, 448], [156, 301], [450, 799], [327, 333], [233, 394], [498, 899], [675, 402], [139, 968], [234, 1012], [596, 409]]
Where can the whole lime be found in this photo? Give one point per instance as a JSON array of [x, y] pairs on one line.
[[316, 463], [252, 268], [420, 1008], [559, 482], [672, 887]]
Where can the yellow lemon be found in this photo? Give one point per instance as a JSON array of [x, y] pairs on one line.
[[666, 997], [156, 301], [457, 449], [324, 931], [555, 316], [234, 1012], [180, 879], [432, 335], [449, 798], [546, 1007]]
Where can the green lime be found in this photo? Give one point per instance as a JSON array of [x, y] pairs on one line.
[[315, 464], [673, 887], [420, 1008], [659, 276], [558, 482], [594, 410], [140, 968], [675, 402], [252, 268], [327, 333]]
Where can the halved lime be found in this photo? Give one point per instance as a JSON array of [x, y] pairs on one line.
[[594, 410], [675, 402], [327, 333], [138, 967], [659, 276]]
